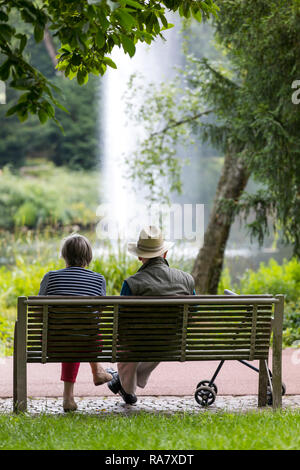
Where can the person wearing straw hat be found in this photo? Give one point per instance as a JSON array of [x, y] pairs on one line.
[[154, 277]]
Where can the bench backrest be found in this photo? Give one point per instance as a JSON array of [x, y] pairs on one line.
[[121, 329]]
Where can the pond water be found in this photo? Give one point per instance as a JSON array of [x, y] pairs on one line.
[[46, 246]]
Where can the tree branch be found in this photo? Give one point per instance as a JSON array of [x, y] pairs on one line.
[[49, 44], [182, 121]]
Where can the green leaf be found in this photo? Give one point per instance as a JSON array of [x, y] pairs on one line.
[[164, 20], [109, 62], [65, 48], [3, 16], [100, 39], [60, 106], [27, 17], [22, 115], [170, 25], [128, 45], [5, 70], [6, 31], [102, 18], [156, 25], [38, 33], [197, 15], [43, 116], [135, 4], [23, 42], [91, 12], [82, 77], [76, 59], [126, 20], [59, 125], [13, 109], [49, 109]]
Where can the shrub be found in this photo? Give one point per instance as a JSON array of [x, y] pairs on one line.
[[273, 279], [6, 337], [44, 195], [291, 324]]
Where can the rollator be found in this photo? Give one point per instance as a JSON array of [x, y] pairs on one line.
[[206, 390]]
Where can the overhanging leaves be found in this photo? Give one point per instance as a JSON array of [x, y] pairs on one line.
[[87, 34]]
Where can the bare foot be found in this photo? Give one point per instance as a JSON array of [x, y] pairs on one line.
[[69, 404], [102, 378]]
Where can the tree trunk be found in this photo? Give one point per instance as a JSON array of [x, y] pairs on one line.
[[209, 262], [49, 44]]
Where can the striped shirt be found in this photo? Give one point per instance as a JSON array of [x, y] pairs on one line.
[[73, 281]]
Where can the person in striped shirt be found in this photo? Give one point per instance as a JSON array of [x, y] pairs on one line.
[[75, 279]]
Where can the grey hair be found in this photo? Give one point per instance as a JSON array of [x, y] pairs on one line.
[[77, 250]]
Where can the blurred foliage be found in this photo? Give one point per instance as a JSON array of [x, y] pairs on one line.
[[291, 324], [76, 148], [6, 336], [273, 278], [270, 278], [86, 32], [115, 267], [45, 195]]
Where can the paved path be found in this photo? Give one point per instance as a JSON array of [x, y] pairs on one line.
[[168, 379]]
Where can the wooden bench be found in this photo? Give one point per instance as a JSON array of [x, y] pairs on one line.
[[133, 329]]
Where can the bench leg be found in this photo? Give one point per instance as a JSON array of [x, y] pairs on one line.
[[277, 353], [19, 378], [20, 361], [262, 383], [15, 366]]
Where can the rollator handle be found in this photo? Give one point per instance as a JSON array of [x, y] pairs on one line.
[[229, 292]]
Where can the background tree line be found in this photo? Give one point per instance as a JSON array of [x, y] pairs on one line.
[[78, 146]]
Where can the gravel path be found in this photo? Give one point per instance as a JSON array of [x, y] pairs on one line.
[[165, 404]]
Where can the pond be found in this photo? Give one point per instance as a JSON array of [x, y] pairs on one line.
[[45, 245]]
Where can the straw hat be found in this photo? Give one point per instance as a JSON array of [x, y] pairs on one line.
[[150, 243]]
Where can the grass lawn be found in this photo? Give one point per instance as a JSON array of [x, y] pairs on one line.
[[253, 430]]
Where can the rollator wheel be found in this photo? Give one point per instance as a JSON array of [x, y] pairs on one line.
[[205, 383], [205, 396], [270, 394]]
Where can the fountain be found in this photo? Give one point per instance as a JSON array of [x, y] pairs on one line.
[[155, 62]]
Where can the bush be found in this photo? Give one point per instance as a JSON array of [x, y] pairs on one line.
[[44, 195], [6, 337], [291, 324], [273, 279]]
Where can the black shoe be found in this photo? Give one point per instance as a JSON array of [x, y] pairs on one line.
[[115, 386], [130, 399]]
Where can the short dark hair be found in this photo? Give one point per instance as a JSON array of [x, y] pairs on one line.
[[77, 250]]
